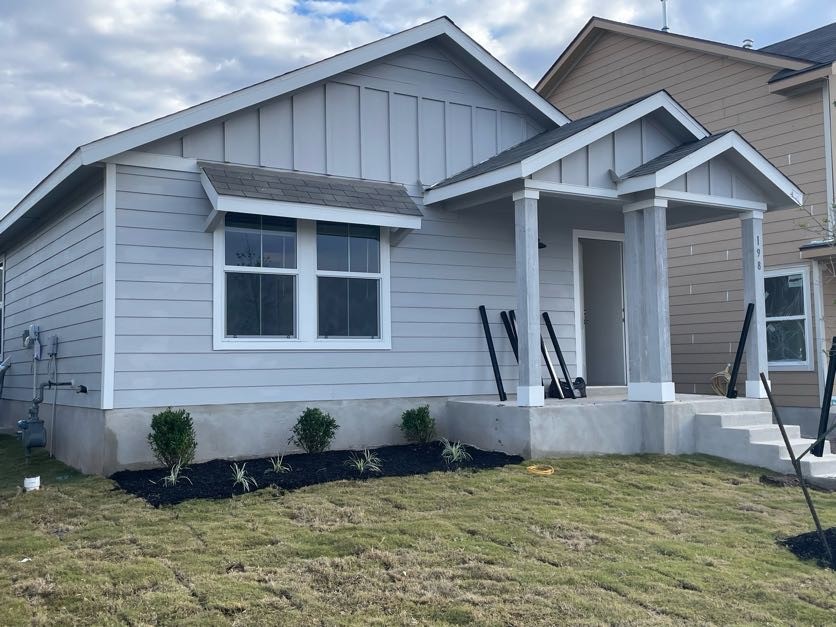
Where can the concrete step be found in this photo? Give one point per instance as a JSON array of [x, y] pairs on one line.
[[766, 433], [734, 419]]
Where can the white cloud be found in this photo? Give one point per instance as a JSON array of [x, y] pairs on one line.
[[73, 71]]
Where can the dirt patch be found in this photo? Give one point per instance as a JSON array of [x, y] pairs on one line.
[[213, 479], [822, 484], [808, 546]]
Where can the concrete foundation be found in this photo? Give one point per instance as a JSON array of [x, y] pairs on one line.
[[102, 442], [604, 424]]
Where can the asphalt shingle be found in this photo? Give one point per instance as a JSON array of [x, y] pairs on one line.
[[312, 189]]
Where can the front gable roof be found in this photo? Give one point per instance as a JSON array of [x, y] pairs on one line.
[[597, 26], [106, 147]]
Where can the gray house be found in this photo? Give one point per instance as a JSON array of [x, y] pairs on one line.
[[326, 236]]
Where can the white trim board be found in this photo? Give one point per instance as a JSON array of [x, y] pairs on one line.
[[529, 165], [580, 338], [109, 288]]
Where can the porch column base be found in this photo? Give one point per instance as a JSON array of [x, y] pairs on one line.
[[652, 392], [755, 389], [530, 396]]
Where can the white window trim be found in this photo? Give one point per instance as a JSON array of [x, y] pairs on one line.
[[808, 364], [306, 299]]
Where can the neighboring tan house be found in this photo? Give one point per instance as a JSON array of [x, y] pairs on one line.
[[326, 237], [780, 97]]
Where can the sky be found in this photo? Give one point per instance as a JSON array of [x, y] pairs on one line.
[[72, 71]]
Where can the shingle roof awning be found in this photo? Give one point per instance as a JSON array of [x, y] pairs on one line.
[[289, 194]]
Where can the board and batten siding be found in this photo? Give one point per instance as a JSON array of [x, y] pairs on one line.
[[53, 278], [705, 261], [417, 116], [440, 274]]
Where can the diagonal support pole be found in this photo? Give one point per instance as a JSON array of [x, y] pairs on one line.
[[797, 466]]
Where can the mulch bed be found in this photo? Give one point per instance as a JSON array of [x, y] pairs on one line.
[[213, 479], [808, 546]]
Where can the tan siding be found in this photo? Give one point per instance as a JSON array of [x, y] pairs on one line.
[[705, 271]]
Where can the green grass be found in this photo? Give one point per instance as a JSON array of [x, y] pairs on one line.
[[606, 539]]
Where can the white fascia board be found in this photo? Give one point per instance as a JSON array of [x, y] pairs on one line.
[[659, 100], [52, 180], [473, 184], [304, 211], [734, 204], [731, 141], [566, 189]]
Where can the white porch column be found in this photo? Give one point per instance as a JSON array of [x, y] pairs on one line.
[[647, 309], [753, 292], [530, 387]]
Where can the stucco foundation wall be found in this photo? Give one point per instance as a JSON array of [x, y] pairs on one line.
[[259, 429], [78, 434]]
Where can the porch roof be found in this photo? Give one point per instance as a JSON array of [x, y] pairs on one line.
[[692, 146]]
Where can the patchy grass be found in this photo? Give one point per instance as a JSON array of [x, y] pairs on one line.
[[606, 539]]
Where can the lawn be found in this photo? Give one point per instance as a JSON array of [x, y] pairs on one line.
[[606, 539]]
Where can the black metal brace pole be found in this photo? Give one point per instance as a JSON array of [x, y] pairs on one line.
[[824, 418], [509, 331], [496, 374], [731, 391], [797, 467], [559, 352]]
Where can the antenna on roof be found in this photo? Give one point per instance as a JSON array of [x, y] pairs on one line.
[[665, 28], [748, 43]]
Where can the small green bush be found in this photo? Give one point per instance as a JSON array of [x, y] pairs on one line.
[[172, 438], [418, 425], [314, 430]]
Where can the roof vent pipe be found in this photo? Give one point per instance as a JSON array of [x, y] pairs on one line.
[[665, 28], [748, 43]]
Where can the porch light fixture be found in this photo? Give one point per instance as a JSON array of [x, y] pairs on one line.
[[540, 244]]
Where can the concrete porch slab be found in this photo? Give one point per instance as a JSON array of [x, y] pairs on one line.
[[603, 423]]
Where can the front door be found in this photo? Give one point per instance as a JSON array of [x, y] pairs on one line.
[[603, 311]]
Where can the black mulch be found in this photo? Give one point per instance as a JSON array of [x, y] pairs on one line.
[[213, 480], [821, 484], [808, 546]]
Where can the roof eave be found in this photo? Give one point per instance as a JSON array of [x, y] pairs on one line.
[[597, 26]]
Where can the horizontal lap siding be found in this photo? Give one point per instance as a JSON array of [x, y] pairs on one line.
[[705, 261], [439, 276], [54, 279]]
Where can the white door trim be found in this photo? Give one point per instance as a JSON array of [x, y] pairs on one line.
[[580, 339]]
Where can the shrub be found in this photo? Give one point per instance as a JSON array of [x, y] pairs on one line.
[[418, 425], [314, 430], [172, 438]]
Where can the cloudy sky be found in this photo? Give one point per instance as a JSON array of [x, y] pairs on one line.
[[74, 70]]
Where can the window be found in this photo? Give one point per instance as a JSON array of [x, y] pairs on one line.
[[348, 280], [286, 283], [787, 322], [260, 269]]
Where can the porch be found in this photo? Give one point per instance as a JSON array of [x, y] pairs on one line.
[[635, 171]]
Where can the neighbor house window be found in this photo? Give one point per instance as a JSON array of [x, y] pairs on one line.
[[787, 320], [287, 283], [260, 269]]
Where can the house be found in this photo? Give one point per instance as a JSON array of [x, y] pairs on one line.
[[780, 98], [326, 236]]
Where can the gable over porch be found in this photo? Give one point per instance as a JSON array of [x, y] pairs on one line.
[[649, 166]]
